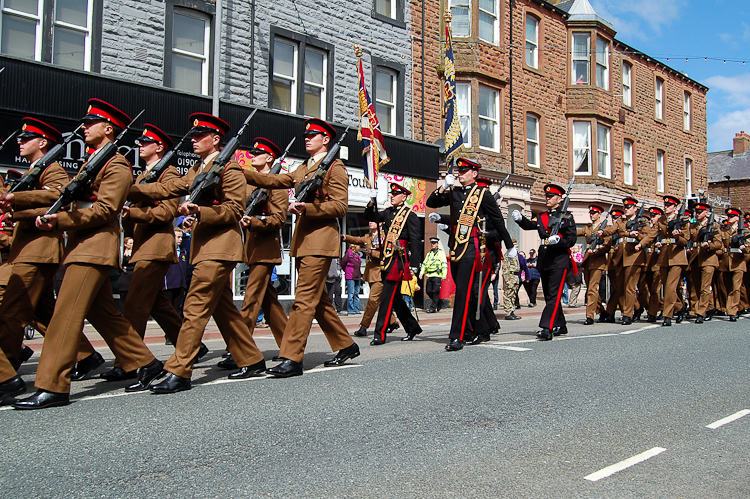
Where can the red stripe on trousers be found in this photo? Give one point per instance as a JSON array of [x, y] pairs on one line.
[[557, 303], [390, 310], [466, 307]]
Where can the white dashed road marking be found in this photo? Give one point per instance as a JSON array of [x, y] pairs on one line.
[[631, 461], [728, 419]]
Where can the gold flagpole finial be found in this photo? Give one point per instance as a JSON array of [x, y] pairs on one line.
[[448, 15], [357, 50]]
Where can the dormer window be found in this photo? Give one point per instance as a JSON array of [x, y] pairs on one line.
[[581, 70]]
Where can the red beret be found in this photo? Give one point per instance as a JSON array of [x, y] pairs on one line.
[[628, 201], [596, 208], [733, 212], [656, 211], [616, 212], [265, 146], [671, 199], [701, 206], [204, 122]]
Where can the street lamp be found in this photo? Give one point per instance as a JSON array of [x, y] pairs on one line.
[[729, 184]]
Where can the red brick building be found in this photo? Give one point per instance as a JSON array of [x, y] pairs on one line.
[[545, 91]]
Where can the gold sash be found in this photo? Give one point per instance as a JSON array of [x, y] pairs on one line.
[[394, 232], [466, 220]]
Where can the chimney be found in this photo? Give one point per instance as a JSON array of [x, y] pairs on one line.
[[741, 143]]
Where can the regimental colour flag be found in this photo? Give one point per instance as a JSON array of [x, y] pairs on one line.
[[453, 137], [373, 145]]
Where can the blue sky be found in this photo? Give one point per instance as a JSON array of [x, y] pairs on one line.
[[677, 29]]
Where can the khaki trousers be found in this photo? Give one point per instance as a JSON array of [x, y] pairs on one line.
[[655, 300], [629, 296], [733, 282], [210, 294], [671, 277], [260, 293], [86, 294], [706, 296], [593, 300], [312, 302], [373, 303], [616, 279]]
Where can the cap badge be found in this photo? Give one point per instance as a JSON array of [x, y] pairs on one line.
[[23, 127], [195, 123]]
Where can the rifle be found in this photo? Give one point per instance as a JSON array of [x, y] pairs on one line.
[[638, 222], [88, 173], [497, 196], [708, 232], [260, 195], [556, 219], [595, 240], [10, 137], [160, 167], [740, 238], [679, 220], [210, 179], [27, 182], [306, 189]]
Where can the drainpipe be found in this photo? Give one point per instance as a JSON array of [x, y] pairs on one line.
[[423, 39], [217, 58], [510, 92]]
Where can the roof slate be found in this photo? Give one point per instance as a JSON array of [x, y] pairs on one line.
[[723, 163]]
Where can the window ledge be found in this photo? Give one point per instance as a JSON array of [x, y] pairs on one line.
[[629, 108], [395, 22], [531, 69], [689, 132], [660, 120]]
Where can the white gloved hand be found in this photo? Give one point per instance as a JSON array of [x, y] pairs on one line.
[[516, 215], [449, 181], [443, 227], [553, 239], [512, 253], [434, 217], [374, 193]]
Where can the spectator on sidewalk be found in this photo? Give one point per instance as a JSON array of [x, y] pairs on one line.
[[521, 274], [126, 272], [574, 281], [175, 281], [351, 264], [408, 288], [533, 277], [435, 267], [333, 286]]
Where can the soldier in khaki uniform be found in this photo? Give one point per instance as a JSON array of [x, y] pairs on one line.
[[315, 242], [672, 257], [153, 251], [594, 261], [632, 239], [614, 272], [90, 254], [263, 248], [215, 249], [653, 275], [708, 248], [371, 244], [735, 254]]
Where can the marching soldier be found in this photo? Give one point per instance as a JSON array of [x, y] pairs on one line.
[[736, 250], [510, 268], [632, 239], [672, 257], [651, 270], [315, 242], [215, 250], [91, 252], [469, 204], [371, 245], [594, 261], [708, 248], [263, 248], [399, 260], [554, 259], [154, 251], [616, 277]]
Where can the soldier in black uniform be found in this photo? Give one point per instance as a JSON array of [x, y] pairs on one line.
[[554, 260], [399, 259], [470, 204]]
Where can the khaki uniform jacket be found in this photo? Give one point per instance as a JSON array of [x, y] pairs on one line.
[[317, 230], [673, 253], [30, 245], [153, 235], [372, 266], [706, 257], [94, 231], [262, 243], [216, 236], [732, 260], [652, 252], [598, 259], [630, 256]]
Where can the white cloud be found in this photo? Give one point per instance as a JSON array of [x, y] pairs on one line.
[[733, 89], [655, 14], [722, 131]]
